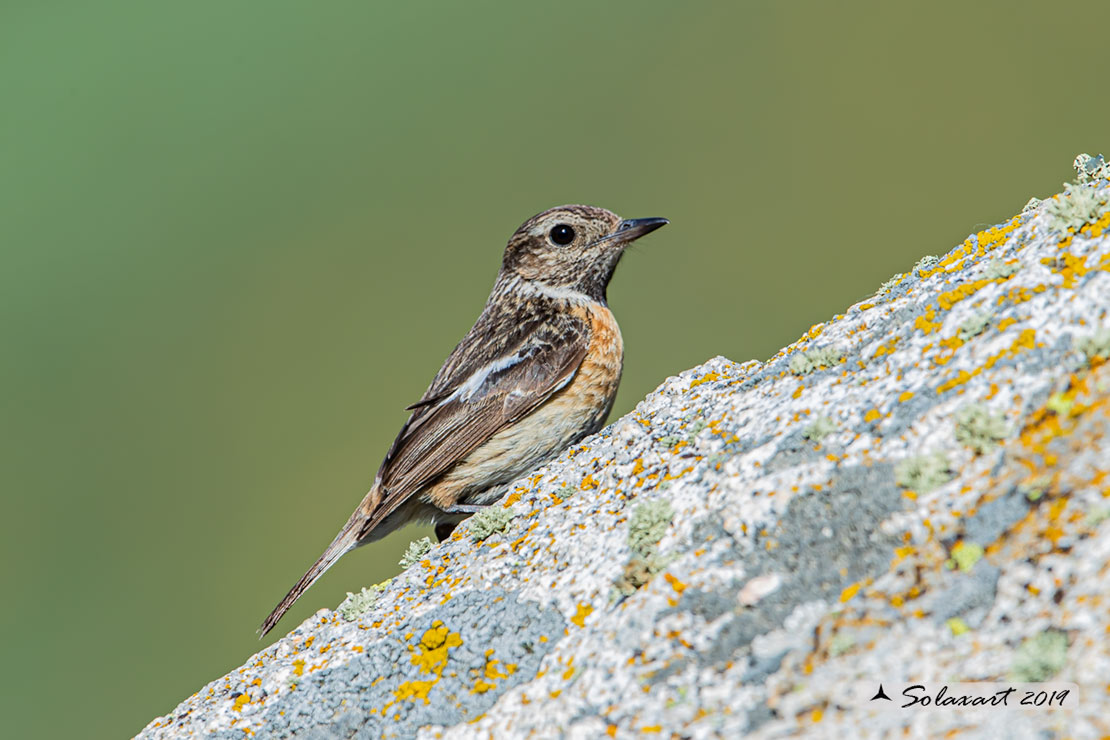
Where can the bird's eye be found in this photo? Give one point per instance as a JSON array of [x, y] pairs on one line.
[[561, 234]]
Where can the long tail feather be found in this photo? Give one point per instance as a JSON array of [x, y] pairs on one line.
[[344, 542]]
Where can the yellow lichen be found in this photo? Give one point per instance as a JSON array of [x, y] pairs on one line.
[[985, 241], [583, 611], [813, 333], [704, 379], [430, 656], [950, 298], [431, 652], [1097, 228], [1026, 340], [990, 238], [886, 349], [413, 690], [925, 323], [849, 593]]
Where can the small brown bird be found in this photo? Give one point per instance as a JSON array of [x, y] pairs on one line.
[[537, 372]]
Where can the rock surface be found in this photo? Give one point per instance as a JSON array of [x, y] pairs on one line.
[[915, 490]]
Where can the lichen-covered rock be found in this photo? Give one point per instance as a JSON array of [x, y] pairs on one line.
[[916, 490]]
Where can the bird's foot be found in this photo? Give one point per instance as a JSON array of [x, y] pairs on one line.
[[444, 529]]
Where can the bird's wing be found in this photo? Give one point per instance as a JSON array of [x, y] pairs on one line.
[[477, 401]]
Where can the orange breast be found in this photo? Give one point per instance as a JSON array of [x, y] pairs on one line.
[[595, 384]]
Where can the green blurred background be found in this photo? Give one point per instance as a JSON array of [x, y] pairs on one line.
[[237, 238]]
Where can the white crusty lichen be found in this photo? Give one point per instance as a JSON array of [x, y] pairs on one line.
[[1090, 169], [819, 428], [416, 552], [1040, 657], [489, 521], [980, 429], [1076, 207], [1095, 346], [925, 263], [357, 604], [923, 473], [647, 526], [1082, 202], [974, 325], [649, 522], [889, 285], [996, 269], [804, 363]]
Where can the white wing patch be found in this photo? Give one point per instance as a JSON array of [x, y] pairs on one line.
[[477, 381]]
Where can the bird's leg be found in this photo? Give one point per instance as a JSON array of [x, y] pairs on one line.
[[444, 529]]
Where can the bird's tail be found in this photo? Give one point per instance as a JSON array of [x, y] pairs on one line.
[[344, 542]]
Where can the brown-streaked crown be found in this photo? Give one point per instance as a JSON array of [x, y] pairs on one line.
[[572, 248]]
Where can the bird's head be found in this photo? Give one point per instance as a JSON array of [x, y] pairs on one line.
[[572, 249]]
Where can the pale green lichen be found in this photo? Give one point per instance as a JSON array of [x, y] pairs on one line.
[[923, 473], [1035, 489], [357, 604], [489, 521], [692, 430], [714, 460], [1097, 517], [841, 644], [647, 526], [416, 552], [804, 363], [974, 325], [819, 428], [957, 626], [997, 269], [1031, 205], [979, 429], [1060, 404], [1089, 169], [1095, 346], [1040, 657], [1077, 206], [889, 285], [926, 262], [965, 555]]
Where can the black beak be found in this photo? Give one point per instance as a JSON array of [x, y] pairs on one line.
[[633, 228]]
